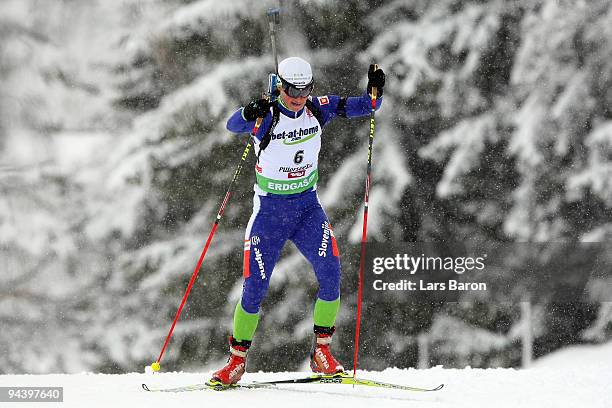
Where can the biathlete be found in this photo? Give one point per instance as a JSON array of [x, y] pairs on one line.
[[286, 206]]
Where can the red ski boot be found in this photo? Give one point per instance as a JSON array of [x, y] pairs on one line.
[[236, 364], [321, 359]]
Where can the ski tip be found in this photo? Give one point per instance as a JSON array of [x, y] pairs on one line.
[[438, 388], [144, 387]]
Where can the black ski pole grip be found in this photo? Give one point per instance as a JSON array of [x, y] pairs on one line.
[[374, 89]]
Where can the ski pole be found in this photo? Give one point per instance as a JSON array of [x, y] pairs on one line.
[[156, 365], [364, 232], [273, 18]]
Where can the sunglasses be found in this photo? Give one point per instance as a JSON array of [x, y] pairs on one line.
[[295, 92]]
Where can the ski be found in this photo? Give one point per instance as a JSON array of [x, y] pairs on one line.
[[344, 378], [341, 378], [207, 386]]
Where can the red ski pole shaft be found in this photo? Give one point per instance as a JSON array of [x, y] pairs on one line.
[[364, 232], [194, 275]]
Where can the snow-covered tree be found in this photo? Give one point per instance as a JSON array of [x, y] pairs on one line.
[[495, 126]]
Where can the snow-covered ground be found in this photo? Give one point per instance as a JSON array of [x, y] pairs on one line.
[[537, 388], [573, 377]]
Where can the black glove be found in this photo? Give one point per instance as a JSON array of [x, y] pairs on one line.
[[256, 109], [376, 79]]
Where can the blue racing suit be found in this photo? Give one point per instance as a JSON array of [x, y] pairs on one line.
[[286, 205]]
